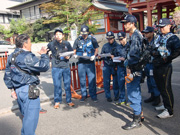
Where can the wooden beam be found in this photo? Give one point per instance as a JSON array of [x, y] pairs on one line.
[[140, 4], [149, 14], [140, 10], [141, 20], [159, 13]]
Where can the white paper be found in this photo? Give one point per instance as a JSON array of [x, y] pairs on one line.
[[104, 55], [116, 59], [85, 57], [151, 72], [66, 54]]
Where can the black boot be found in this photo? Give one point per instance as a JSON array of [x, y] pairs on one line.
[[157, 101], [151, 99], [136, 123], [142, 116]]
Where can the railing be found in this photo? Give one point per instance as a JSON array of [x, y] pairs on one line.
[[3, 61]]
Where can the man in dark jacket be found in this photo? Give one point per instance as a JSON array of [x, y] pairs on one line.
[[86, 48], [21, 77], [120, 53], [109, 67], [134, 70], [167, 48], [60, 67], [152, 87]]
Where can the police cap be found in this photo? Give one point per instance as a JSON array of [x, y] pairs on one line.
[[148, 29], [163, 22], [58, 30], [84, 30], [110, 34], [121, 35], [129, 18]]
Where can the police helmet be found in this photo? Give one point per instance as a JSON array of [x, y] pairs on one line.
[[58, 30], [110, 34], [84, 30]]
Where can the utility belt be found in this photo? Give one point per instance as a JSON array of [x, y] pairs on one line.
[[33, 92]]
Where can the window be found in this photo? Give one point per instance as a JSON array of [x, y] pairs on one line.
[[32, 12], [6, 18], [100, 24], [37, 12], [26, 13], [1, 19], [115, 25]]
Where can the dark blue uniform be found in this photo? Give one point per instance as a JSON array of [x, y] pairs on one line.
[[121, 51], [133, 57], [152, 88], [60, 68], [163, 67], [86, 47], [109, 69], [20, 81]]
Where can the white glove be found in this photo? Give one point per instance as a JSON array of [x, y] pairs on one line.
[[75, 56], [92, 58]]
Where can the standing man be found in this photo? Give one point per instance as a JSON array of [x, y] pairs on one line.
[[86, 48], [60, 68], [168, 48], [134, 70], [152, 88], [109, 67], [21, 77], [121, 52]]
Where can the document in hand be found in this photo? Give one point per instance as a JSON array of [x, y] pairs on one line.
[[116, 59], [66, 54], [84, 57], [104, 55]]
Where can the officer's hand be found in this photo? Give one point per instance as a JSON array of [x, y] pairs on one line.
[[129, 78], [112, 56], [13, 94], [92, 58], [75, 56], [67, 57], [43, 50], [121, 58]]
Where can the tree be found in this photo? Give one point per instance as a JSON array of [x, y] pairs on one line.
[[18, 26], [67, 12], [39, 30], [176, 16]]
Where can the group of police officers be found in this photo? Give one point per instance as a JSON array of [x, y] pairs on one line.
[[123, 61]]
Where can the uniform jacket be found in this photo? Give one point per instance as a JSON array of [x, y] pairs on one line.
[[135, 48], [88, 46], [121, 51], [109, 48], [27, 61], [55, 47], [173, 46]]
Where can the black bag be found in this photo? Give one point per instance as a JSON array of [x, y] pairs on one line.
[[33, 92]]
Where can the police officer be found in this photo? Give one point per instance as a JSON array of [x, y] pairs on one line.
[[132, 62], [121, 52], [168, 48], [109, 67], [152, 88], [60, 68], [21, 75], [86, 48]]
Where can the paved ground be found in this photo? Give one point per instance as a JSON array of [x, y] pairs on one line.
[[88, 118]]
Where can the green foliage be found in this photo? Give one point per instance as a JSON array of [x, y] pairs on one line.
[[18, 26], [39, 31], [67, 12]]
